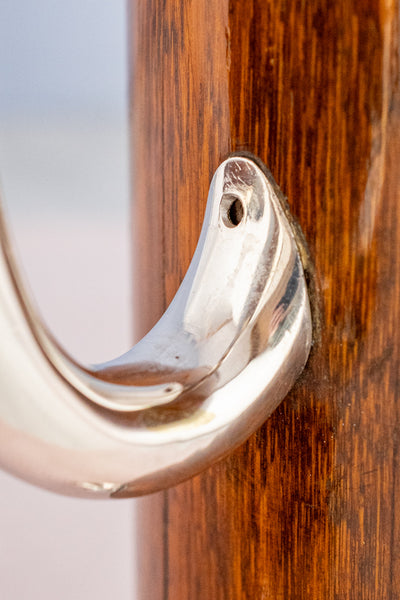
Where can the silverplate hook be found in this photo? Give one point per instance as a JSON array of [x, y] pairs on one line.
[[222, 357]]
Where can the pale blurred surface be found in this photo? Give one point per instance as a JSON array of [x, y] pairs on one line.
[[64, 176]]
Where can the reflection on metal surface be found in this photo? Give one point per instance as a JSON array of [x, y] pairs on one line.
[[222, 357]]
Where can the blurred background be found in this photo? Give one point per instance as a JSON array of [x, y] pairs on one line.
[[64, 179]]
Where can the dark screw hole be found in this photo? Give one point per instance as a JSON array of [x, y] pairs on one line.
[[232, 211], [235, 212]]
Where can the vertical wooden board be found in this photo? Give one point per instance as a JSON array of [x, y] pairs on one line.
[[309, 506]]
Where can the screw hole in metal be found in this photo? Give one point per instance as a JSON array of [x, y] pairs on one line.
[[232, 211]]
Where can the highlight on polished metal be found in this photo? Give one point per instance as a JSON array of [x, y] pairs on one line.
[[224, 354]]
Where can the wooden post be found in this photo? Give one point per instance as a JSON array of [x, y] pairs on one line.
[[309, 507]]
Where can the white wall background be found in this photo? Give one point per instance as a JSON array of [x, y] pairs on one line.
[[64, 176]]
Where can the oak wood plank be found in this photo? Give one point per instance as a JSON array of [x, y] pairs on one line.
[[309, 507]]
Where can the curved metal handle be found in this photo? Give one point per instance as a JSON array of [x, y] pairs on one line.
[[224, 354]]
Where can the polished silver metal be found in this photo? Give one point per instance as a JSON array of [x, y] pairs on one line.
[[224, 354]]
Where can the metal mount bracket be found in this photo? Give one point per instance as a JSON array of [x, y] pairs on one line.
[[222, 357]]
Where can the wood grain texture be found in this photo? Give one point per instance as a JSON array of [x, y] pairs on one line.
[[309, 507]]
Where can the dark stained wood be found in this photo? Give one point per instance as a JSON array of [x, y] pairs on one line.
[[309, 507]]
